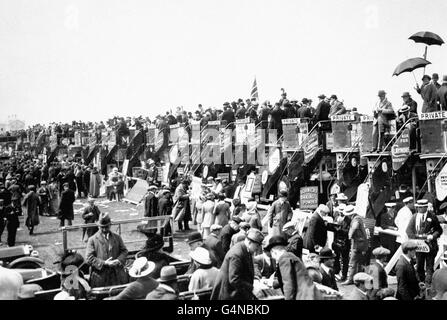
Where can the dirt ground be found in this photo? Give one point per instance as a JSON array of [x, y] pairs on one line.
[[48, 240]]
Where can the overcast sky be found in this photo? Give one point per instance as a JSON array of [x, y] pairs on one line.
[[71, 60]]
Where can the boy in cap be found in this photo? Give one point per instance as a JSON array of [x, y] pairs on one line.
[[214, 244], [363, 285], [228, 231], [377, 271], [424, 225]]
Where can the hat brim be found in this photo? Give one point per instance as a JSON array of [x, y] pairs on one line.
[[328, 257], [270, 246], [146, 272]]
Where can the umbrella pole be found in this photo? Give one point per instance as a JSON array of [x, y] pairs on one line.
[[425, 57], [414, 77]]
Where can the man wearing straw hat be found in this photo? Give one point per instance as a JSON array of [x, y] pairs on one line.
[[144, 283], [424, 225], [106, 254], [206, 273]]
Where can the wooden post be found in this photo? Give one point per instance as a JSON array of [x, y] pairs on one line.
[[393, 260], [64, 239], [413, 179]]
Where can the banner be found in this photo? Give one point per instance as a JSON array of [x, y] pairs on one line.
[[159, 140], [361, 203], [441, 184], [311, 148], [400, 151], [290, 132], [53, 142], [77, 138], [150, 135], [308, 198], [112, 140]]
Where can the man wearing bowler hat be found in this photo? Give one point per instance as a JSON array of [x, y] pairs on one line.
[[442, 94], [327, 259], [106, 254], [236, 276], [151, 202], [429, 94], [383, 114], [425, 226], [408, 101]]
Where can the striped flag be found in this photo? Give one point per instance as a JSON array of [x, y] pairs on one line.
[[254, 91]]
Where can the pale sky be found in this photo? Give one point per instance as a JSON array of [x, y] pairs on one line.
[[89, 60]]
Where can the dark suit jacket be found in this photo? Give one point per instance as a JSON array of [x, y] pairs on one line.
[[295, 245], [316, 233], [228, 116], [294, 279], [328, 279], [138, 289], [225, 237], [377, 271], [66, 204], [322, 112], [214, 245], [150, 205], [236, 276], [407, 282], [429, 226]]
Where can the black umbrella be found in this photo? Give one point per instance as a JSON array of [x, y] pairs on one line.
[[410, 65], [427, 37]]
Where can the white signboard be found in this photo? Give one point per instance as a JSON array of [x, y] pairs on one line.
[[274, 160], [441, 184], [343, 118], [433, 115], [361, 203]]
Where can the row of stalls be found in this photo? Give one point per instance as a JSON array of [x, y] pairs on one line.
[[311, 160]]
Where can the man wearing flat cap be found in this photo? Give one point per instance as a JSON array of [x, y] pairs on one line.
[[236, 276], [377, 271], [228, 231], [424, 225], [363, 285], [429, 94], [407, 280], [383, 114], [293, 277], [214, 245], [408, 101]]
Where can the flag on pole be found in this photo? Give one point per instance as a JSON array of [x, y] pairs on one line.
[[254, 91]]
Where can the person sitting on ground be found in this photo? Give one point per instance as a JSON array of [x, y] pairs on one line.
[[205, 273]]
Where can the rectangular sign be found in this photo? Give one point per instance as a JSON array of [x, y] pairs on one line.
[[308, 198], [344, 117], [366, 118], [214, 123], [433, 115], [311, 148], [291, 121], [400, 151]]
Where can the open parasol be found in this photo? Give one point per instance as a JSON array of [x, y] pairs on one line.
[[410, 65], [428, 38]]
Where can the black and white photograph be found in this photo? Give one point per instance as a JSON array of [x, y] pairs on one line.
[[225, 155]]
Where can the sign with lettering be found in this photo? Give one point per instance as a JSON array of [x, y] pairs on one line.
[[257, 187], [366, 118], [308, 198], [112, 140], [400, 151], [224, 176], [214, 123], [441, 184], [291, 134], [344, 117], [329, 141], [422, 246], [77, 138], [433, 115], [311, 148], [291, 121], [243, 121]]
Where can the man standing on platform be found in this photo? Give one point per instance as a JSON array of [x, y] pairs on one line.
[[429, 94], [383, 114], [425, 226]]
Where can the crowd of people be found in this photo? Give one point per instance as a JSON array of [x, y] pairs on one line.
[[230, 254]]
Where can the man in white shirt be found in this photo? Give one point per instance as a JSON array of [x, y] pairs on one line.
[[403, 218]]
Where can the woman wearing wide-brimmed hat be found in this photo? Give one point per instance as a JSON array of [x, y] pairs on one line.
[[153, 251], [205, 274]]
